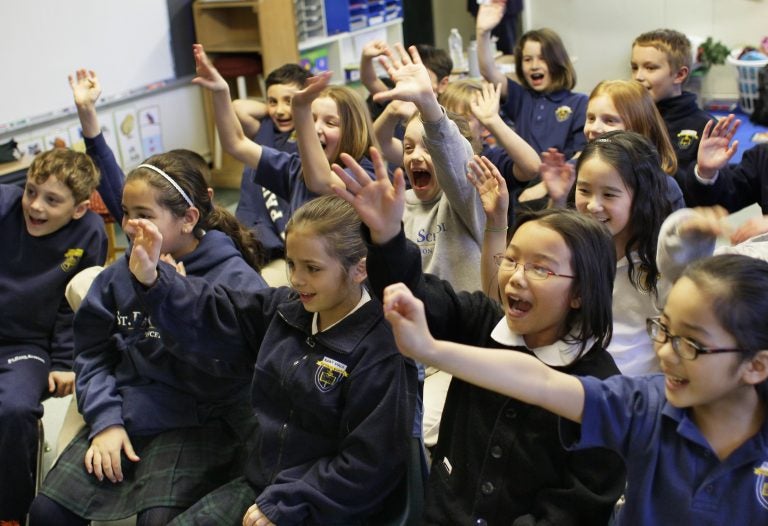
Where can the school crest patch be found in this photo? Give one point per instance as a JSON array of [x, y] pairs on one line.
[[329, 374], [71, 259], [563, 113], [761, 485], [686, 139]]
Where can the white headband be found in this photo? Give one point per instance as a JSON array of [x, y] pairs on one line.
[[168, 178]]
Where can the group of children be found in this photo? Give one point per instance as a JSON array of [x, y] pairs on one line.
[[244, 370]]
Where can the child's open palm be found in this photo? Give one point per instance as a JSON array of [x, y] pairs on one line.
[[485, 103], [86, 87], [492, 189], [146, 242], [207, 75], [312, 89], [379, 203], [490, 14], [412, 82], [715, 147], [557, 175]]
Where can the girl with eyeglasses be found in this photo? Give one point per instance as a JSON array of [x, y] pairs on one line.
[[499, 461], [693, 438]]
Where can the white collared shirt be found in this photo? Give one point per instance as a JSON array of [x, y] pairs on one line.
[[364, 298], [558, 354]]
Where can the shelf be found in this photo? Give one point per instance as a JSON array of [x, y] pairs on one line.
[[322, 41]]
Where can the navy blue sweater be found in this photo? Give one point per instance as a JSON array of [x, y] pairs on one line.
[[34, 271]]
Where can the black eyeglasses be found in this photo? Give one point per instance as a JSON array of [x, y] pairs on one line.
[[530, 270], [683, 347]]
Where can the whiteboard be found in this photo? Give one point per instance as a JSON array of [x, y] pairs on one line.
[[127, 43]]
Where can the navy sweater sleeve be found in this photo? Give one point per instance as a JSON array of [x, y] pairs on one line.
[[112, 176], [737, 185]]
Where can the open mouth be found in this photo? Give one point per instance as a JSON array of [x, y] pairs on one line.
[[285, 123], [674, 383], [537, 77], [305, 297], [518, 307], [36, 222], [421, 178]]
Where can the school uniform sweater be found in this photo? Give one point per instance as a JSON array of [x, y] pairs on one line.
[[112, 177], [34, 271], [548, 120], [129, 373], [736, 185], [499, 460], [280, 172], [449, 228], [685, 122], [675, 477], [259, 208], [334, 409]]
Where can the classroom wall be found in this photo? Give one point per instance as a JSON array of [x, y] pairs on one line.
[[599, 33]]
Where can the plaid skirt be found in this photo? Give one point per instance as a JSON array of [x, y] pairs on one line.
[[177, 468], [225, 506]]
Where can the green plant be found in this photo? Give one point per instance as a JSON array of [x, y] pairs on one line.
[[710, 53]]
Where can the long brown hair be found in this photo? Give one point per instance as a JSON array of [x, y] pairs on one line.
[[355, 121]]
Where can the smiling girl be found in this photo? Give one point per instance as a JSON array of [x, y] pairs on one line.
[[693, 438], [498, 461]]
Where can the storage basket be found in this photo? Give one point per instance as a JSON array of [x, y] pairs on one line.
[[747, 75]]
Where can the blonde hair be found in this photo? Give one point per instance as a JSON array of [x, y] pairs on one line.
[[355, 122], [459, 94], [673, 44], [639, 114], [73, 169]]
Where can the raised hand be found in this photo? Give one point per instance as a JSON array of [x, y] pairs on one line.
[[492, 189], [412, 82], [706, 223], [409, 323], [379, 203], [103, 457], [146, 242], [374, 48], [557, 175], [314, 86], [86, 87], [715, 147], [178, 265], [485, 104], [489, 15], [207, 75]]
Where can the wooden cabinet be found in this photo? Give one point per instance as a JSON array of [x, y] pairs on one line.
[[266, 27]]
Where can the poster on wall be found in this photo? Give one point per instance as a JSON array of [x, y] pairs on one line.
[[76, 138], [151, 131], [31, 146], [128, 138], [107, 121]]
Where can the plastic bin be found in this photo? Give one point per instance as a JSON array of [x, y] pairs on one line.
[[747, 75]]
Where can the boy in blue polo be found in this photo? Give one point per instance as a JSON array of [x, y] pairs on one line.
[[49, 235], [661, 62], [269, 124]]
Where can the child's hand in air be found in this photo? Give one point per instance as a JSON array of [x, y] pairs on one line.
[[379, 203], [312, 89], [373, 49], [706, 223], [485, 104], [409, 323], [103, 457], [715, 147], [146, 241], [489, 15], [557, 175], [86, 88], [207, 75], [492, 189], [412, 82]]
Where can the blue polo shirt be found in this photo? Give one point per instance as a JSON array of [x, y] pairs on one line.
[[548, 120], [673, 475]]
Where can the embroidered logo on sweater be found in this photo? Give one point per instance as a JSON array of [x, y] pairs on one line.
[[562, 113], [329, 373], [686, 138], [71, 259], [761, 485]]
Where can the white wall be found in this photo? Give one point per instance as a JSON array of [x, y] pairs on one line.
[[599, 33]]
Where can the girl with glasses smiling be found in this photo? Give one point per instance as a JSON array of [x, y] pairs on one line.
[[497, 460], [694, 438]]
